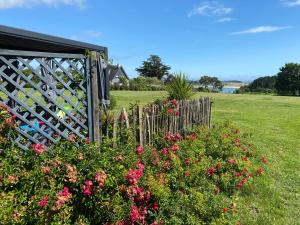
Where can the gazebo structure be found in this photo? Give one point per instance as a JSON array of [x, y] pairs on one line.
[[54, 86]]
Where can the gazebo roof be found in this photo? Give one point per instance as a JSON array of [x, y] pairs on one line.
[[18, 39]]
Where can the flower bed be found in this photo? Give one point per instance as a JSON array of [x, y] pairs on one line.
[[179, 180]]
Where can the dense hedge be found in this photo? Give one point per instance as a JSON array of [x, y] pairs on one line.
[[178, 180]]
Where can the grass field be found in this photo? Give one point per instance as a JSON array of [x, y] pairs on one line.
[[274, 122]]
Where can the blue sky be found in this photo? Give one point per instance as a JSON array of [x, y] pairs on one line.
[[230, 39]]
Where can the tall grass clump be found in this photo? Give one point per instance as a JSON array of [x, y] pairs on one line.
[[180, 88]]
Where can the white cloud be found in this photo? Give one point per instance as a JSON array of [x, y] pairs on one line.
[[225, 19], [212, 8], [7, 4], [261, 29], [291, 3], [93, 33]]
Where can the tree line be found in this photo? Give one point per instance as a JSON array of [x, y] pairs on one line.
[[286, 82]]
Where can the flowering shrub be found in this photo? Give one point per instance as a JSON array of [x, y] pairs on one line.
[[178, 180], [6, 123]]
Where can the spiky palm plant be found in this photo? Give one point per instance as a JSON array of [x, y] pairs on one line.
[[180, 88]]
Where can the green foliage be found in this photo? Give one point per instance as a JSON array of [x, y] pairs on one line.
[[288, 79], [259, 85], [207, 81], [113, 102], [153, 67], [146, 84], [179, 180], [180, 88]]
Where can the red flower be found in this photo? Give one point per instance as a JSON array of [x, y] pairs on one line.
[[259, 171], [139, 150], [225, 210], [177, 113], [154, 206], [44, 201], [174, 102], [164, 151], [38, 148], [264, 160], [187, 174], [170, 111], [211, 171], [187, 161], [244, 158], [175, 147]]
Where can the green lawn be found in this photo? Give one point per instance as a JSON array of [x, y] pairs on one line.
[[274, 122]]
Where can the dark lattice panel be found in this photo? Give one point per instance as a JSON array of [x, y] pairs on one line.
[[48, 94]]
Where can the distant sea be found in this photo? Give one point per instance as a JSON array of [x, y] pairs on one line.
[[229, 90]]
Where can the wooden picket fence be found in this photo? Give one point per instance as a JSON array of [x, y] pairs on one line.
[[146, 122]]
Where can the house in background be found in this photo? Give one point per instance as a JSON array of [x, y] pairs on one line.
[[116, 74]]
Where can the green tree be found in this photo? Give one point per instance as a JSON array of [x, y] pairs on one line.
[[153, 67], [263, 84], [288, 79], [206, 81], [180, 88]]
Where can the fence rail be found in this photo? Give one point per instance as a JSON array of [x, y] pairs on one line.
[[146, 122]]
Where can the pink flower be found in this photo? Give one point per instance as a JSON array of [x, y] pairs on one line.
[[232, 161], [169, 136], [133, 176], [100, 178], [44, 201], [87, 188], [140, 166], [134, 214], [164, 151], [38, 148], [62, 197], [139, 150], [178, 137], [175, 147]]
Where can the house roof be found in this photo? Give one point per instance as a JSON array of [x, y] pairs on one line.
[[18, 39], [113, 70]]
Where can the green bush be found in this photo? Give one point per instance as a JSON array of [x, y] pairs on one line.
[[180, 88], [178, 180]]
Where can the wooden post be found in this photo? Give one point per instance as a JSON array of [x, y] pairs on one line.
[[140, 121], [95, 98], [210, 111]]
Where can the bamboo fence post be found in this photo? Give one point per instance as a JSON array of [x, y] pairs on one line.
[[140, 121]]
